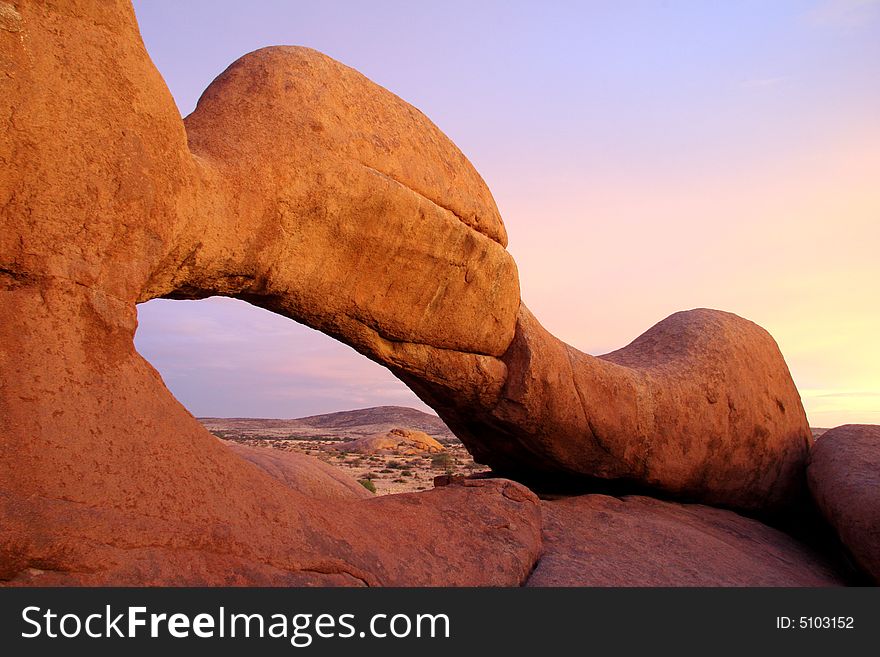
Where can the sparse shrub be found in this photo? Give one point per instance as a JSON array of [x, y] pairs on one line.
[[406, 473], [442, 461], [397, 465], [386, 470], [368, 484], [399, 481]]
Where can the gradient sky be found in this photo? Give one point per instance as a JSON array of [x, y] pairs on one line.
[[647, 157]]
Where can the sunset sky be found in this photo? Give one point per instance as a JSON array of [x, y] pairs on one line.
[[647, 157]]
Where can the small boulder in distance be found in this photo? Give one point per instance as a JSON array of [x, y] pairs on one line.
[[406, 442]]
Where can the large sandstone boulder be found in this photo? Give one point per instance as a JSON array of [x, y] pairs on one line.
[[302, 187], [596, 540], [396, 441], [844, 476], [302, 473], [701, 406]]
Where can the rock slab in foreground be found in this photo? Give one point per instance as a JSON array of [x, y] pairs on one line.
[[597, 540], [844, 477]]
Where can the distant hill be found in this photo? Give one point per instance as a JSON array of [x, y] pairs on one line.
[[343, 425], [377, 415]]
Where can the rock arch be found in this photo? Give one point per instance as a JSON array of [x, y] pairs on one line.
[[302, 187], [361, 219]]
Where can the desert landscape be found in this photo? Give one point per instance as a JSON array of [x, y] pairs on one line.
[[369, 445], [300, 186]]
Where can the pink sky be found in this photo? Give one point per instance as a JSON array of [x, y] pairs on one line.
[[647, 157]]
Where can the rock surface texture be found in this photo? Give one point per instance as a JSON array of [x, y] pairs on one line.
[[302, 187], [597, 540], [844, 476], [398, 441], [305, 474]]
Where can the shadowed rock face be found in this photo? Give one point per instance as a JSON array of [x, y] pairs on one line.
[[844, 476], [596, 540], [302, 187]]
